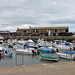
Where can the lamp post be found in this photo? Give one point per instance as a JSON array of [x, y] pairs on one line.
[[30, 31]]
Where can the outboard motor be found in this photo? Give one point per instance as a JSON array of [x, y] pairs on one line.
[[57, 50], [74, 58], [38, 52], [52, 51], [33, 52], [0, 55], [11, 55]]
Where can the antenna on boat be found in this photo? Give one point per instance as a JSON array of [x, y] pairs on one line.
[[30, 31]]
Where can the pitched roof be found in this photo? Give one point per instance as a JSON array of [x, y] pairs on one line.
[[43, 28], [49, 27]]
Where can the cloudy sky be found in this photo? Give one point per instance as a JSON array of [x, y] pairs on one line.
[[35, 13]]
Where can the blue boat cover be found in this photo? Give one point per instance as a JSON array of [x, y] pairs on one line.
[[47, 48], [67, 44], [68, 52]]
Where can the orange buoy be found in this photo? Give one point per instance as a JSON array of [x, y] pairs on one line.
[[1, 55]]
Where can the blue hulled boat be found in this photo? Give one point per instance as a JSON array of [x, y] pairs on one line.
[[46, 50]]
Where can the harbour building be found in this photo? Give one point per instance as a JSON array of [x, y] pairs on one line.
[[44, 31]]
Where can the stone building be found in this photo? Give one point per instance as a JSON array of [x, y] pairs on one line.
[[42, 31]]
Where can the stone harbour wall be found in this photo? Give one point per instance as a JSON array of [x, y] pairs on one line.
[[46, 38]]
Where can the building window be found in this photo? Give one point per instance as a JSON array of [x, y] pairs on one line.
[[46, 34], [55, 30], [19, 34], [51, 30], [42, 33], [66, 30], [35, 30], [60, 29], [24, 31], [47, 30], [54, 34]]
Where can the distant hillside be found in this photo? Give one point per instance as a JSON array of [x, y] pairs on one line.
[[4, 31]]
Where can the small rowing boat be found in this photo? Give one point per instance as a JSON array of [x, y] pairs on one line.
[[49, 57]]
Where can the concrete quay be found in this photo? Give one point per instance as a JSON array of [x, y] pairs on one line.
[[66, 68]]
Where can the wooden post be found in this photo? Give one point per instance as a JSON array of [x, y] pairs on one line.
[[15, 58], [66, 54], [22, 59], [71, 51]]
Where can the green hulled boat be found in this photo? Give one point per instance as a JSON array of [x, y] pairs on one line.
[[49, 57]]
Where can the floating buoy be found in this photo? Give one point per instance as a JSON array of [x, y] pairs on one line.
[[1, 55], [72, 48], [58, 50], [36, 53], [74, 58], [40, 52]]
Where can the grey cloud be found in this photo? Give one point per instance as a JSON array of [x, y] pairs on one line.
[[62, 22], [41, 12]]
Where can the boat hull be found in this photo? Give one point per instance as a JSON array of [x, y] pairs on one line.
[[66, 56], [27, 51], [68, 52], [50, 57]]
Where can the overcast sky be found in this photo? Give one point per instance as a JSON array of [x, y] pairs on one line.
[[35, 13]]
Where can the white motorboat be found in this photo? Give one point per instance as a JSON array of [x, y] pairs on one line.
[[1, 52], [6, 52], [27, 51], [66, 56], [1, 40]]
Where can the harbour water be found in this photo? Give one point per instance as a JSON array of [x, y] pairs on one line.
[[25, 59]]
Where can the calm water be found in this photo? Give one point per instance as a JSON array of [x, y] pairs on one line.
[[25, 60]]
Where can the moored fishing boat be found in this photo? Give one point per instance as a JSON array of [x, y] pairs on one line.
[[49, 57]]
